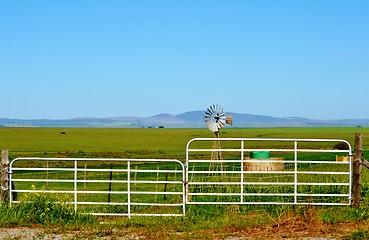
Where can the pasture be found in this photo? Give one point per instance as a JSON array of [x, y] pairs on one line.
[[171, 144], [142, 143]]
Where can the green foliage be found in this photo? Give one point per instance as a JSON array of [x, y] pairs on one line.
[[40, 208], [334, 215], [341, 146], [359, 234]]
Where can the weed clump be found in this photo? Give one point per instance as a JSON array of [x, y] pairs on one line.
[[41, 208]]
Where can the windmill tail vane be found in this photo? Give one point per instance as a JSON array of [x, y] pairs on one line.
[[229, 120]]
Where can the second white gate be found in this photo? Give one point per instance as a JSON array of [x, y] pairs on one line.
[[268, 171]]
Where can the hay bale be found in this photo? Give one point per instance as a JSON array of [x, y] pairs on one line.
[[342, 158], [264, 166]]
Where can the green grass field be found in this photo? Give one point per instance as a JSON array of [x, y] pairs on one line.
[[201, 222], [153, 143], [150, 143]]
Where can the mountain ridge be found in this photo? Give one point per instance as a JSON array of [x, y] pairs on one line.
[[191, 119]]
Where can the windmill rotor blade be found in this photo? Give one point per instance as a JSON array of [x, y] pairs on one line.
[[219, 108], [207, 116], [208, 124], [222, 122], [212, 126]]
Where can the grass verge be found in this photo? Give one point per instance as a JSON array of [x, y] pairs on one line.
[[201, 222]]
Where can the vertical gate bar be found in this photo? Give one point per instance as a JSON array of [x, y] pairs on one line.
[[84, 185], [10, 175], [165, 184], [156, 186], [185, 172], [295, 197], [129, 187], [47, 175], [75, 185], [135, 179], [184, 193], [350, 177], [242, 169], [10, 188]]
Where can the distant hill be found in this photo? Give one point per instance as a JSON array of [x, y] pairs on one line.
[[193, 119]]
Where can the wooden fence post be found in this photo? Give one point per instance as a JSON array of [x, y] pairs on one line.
[[4, 175], [357, 170]]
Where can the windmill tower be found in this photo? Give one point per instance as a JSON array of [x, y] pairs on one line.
[[215, 119]]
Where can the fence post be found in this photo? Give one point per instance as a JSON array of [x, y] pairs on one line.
[[4, 175], [110, 179], [357, 170]]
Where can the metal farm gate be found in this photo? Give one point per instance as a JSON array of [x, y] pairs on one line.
[[217, 171], [268, 171], [110, 187]]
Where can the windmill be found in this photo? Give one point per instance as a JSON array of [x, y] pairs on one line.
[[215, 119]]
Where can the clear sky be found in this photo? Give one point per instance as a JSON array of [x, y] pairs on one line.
[[88, 58]]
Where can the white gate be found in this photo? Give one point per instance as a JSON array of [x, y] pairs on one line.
[[268, 171], [217, 171], [110, 187]]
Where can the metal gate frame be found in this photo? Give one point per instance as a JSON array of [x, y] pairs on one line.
[[185, 182], [242, 149], [128, 181]]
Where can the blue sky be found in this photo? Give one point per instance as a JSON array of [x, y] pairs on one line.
[[87, 58]]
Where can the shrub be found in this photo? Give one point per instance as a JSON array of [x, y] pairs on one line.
[[341, 146]]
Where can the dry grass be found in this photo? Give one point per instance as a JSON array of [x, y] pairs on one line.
[[288, 228]]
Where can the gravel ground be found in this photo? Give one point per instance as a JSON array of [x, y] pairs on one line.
[[34, 233], [30, 233], [24, 233], [288, 231]]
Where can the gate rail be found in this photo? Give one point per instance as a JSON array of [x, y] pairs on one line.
[[125, 187]]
